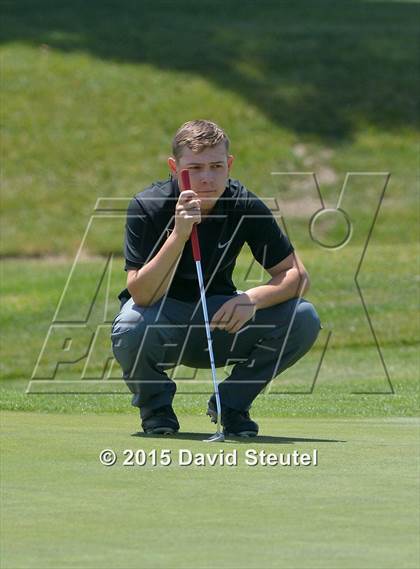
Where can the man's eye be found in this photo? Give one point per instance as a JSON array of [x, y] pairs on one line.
[[217, 166]]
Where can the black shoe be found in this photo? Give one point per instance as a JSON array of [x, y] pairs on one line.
[[235, 423], [161, 421]]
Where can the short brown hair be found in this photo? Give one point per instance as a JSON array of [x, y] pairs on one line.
[[197, 135]]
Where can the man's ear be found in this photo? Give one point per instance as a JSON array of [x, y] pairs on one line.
[[230, 161], [172, 165]]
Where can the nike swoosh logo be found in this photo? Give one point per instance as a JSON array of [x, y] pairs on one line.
[[223, 245]]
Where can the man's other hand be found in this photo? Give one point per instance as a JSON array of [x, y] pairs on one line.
[[233, 314]]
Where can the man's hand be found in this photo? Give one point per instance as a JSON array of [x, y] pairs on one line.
[[187, 213], [233, 314]]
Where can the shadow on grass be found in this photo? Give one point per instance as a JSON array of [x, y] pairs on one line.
[[254, 440], [317, 68]]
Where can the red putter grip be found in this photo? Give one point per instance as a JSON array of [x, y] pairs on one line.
[[186, 185], [195, 244]]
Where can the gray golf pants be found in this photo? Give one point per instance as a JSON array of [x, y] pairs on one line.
[[149, 340]]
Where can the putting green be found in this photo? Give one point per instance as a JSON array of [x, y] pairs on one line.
[[62, 508]]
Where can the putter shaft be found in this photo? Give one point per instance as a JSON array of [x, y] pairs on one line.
[[210, 345]]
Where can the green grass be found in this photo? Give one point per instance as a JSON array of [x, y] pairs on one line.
[[91, 99], [63, 509]]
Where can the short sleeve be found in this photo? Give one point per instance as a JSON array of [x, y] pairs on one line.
[[140, 236], [268, 243]]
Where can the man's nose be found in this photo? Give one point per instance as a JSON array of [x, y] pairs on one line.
[[206, 176]]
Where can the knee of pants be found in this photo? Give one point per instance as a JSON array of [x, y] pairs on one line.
[[129, 327], [307, 322]]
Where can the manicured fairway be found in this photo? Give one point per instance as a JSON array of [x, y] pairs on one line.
[[62, 508]]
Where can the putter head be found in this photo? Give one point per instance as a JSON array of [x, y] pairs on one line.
[[218, 437]]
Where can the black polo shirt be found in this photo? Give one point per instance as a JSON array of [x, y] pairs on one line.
[[238, 217]]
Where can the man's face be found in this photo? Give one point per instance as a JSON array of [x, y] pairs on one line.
[[209, 170]]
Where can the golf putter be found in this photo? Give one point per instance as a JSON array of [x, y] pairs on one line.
[[218, 436]]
